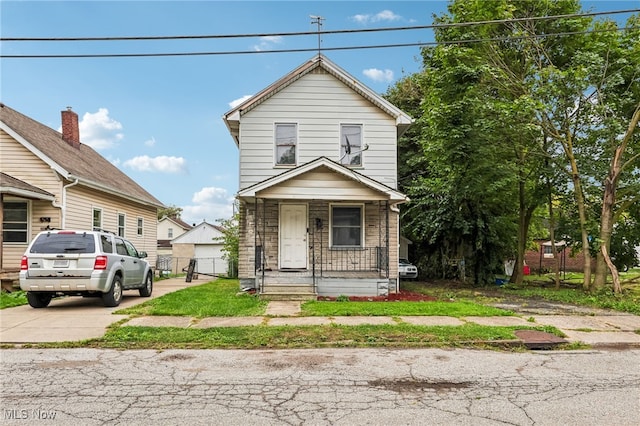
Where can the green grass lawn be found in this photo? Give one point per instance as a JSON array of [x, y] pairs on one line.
[[218, 298], [281, 337], [394, 309], [15, 298]]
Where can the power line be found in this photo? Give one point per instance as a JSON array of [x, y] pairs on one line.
[[248, 52], [287, 34]]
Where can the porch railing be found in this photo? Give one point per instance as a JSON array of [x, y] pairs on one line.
[[359, 259]]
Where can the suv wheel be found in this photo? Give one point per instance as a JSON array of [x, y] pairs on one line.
[[148, 286], [113, 297], [38, 300]]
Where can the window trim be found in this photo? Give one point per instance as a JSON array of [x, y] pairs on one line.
[[170, 233], [28, 222], [275, 143], [93, 218], [124, 224], [140, 226], [342, 155], [361, 206]]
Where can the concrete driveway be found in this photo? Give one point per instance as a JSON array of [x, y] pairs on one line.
[[75, 318]]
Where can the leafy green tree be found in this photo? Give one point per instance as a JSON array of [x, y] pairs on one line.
[[170, 211], [231, 242]]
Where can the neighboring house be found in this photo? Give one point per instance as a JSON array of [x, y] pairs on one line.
[[203, 243], [541, 258], [318, 185], [50, 180], [168, 229]]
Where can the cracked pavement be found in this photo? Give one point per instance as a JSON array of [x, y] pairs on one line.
[[319, 387]]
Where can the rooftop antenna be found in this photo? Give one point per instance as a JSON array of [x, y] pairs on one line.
[[318, 21]]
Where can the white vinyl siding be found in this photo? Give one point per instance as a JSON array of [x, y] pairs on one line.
[[318, 103]]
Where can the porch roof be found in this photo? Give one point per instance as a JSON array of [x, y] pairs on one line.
[[357, 186], [12, 186]]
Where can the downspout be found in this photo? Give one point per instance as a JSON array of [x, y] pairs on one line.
[[63, 206]]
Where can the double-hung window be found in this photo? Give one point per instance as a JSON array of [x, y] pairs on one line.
[[97, 219], [351, 144], [346, 226], [286, 138], [140, 226], [121, 223], [15, 222]]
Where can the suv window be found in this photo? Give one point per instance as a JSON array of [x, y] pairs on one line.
[[121, 248], [131, 249], [64, 243], [107, 244]]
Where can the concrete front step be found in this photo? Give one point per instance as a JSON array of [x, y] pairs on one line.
[[288, 296], [287, 288]]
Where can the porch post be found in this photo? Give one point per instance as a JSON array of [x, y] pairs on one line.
[[387, 236]]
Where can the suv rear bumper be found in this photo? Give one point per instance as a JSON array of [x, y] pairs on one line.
[[97, 282]]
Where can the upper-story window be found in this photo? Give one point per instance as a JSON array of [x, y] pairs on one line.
[[140, 226], [286, 135], [351, 144], [170, 233]]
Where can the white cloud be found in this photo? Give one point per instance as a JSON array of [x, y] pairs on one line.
[[238, 101], [385, 15], [162, 164], [100, 131], [150, 142], [210, 204], [379, 75], [267, 43]]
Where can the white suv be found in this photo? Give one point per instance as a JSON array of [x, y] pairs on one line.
[[83, 263]]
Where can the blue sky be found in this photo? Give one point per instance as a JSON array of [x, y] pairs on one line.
[[160, 118]]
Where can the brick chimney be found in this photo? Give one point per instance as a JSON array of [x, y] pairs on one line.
[[70, 129]]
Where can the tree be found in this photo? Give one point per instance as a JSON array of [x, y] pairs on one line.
[[170, 211], [231, 242]]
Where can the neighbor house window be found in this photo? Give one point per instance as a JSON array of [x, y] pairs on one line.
[[170, 233], [140, 226], [286, 139], [351, 144], [121, 222], [346, 226], [548, 251], [15, 222], [97, 219]]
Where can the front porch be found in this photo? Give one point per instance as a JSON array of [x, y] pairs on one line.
[[324, 269]]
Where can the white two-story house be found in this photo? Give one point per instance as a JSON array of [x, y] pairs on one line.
[[318, 196]]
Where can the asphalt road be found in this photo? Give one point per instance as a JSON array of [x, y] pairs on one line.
[[319, 387]]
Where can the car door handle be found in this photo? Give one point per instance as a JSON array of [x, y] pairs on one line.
[[122, 260]]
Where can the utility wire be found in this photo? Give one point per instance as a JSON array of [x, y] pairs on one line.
[[247, 52], [364, 30]]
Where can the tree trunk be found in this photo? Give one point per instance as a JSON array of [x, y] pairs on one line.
[[608, 208], [552, 236]]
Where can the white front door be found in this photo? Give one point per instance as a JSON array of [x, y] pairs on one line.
[[293, 235]]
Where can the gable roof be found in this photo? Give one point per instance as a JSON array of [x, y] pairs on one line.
[[179, 222], [394, 196], [12, 186], [232, 117], [203, 233], [82, 163]]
